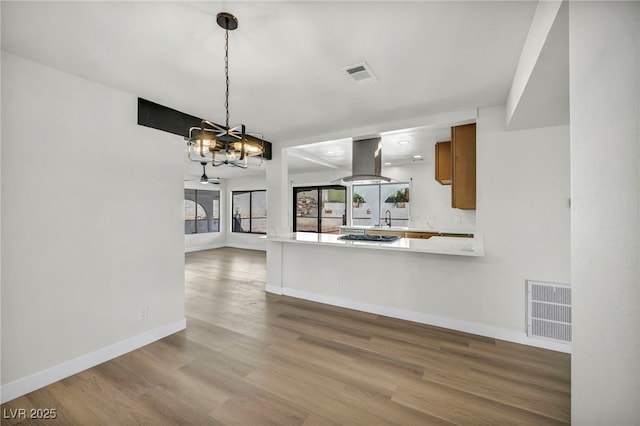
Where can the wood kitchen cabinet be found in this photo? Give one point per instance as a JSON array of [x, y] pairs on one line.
[[443, 162], [384, 232], [463, 167], [420, 235]]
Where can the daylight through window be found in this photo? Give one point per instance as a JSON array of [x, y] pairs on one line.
[[249, 212], [375, 205], [319, 209], [201, 211]]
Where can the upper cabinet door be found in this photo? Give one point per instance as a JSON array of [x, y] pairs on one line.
[[463, 165], [443, 162]]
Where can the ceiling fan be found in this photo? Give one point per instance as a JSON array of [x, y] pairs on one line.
[[204, 179]]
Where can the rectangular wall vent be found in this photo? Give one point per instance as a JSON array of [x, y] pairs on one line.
[[549, 311], [360, 73]]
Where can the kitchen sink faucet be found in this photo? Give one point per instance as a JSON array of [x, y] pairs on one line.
[[387, 218]]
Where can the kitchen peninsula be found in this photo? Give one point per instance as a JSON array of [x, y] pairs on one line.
[[435, 245], [421, 280]]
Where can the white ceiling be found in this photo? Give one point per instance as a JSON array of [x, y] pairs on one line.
[[285, 58]]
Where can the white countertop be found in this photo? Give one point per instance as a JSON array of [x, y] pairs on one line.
[[438, 245], [408, 229]]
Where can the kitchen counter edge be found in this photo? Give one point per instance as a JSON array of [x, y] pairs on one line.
[[473, 247]]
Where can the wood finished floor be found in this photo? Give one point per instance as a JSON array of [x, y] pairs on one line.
[[249, 358]]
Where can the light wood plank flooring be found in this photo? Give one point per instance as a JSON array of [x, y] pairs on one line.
[[249, 358]]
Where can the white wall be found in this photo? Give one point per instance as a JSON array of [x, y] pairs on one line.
[[523, 199], [430, 200], [523, 214], [539, 94], [546, 13], [605, 182], [88, 240]]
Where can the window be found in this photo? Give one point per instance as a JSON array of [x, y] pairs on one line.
[[319, 208], [249, 212], [372, 202], [201, 211]]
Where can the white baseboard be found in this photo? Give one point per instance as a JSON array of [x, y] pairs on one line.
[[273, 289], [222, 244], [424, 318], [259, 247], [200, 248], [43, 378]]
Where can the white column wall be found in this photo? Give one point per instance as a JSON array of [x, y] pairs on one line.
[[278, 214], [605, 182]]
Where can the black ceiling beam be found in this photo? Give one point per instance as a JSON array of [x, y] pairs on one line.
[[160, 117]]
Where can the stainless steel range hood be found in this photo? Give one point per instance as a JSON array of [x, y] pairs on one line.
[[366, 162]]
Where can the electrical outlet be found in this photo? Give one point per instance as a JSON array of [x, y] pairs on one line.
[[143, 313]]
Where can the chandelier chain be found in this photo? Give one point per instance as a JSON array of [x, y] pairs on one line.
[[226, 73]]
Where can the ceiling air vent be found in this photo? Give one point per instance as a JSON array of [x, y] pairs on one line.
[[360, 73]]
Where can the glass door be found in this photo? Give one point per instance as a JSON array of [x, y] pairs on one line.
[[333, 213], [319, 209], [306, 205]]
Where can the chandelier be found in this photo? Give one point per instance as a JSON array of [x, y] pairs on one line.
[[215, 144]]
